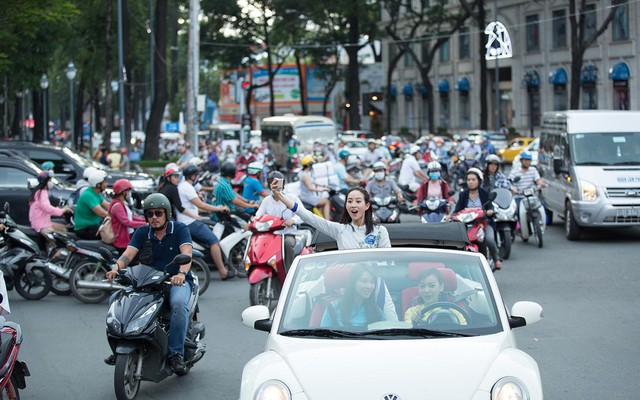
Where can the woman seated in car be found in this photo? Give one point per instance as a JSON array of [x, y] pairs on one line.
[[357, 306], [430, 289]]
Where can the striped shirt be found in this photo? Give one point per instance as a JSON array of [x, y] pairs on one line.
[[527, 179]]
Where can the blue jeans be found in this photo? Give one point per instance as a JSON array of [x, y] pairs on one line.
[[179, 302]]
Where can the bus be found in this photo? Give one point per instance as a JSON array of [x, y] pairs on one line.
[[227, 135], [277, 131]]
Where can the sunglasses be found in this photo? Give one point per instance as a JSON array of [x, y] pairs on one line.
[[151, 213]]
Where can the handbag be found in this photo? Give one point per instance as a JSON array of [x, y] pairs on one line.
[[106, 231]]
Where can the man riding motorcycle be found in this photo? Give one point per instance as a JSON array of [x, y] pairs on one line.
[[381, 186], [435, 186]]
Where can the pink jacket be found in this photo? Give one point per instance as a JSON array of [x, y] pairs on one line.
[[120, 222], [41, 210]]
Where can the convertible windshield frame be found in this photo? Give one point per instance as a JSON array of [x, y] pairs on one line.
[[300, 312]]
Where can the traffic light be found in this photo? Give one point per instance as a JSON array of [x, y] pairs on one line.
[[245, 84]]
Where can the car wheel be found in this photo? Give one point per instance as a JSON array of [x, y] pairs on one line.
[[571, 228]]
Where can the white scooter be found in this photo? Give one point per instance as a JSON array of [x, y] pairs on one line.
[[505, 209], [532, 216]]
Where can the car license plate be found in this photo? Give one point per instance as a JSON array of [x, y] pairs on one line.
[[628, 212]]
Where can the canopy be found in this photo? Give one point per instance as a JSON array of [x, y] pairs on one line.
[[559, 76], [462, 84], [620, 72], [443, 86]]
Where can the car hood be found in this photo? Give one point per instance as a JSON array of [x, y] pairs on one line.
[[370, 369]]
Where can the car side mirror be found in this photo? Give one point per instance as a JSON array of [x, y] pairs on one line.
[[525, 313], [257, 317]]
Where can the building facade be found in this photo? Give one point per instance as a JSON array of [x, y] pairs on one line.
[[534, 80]]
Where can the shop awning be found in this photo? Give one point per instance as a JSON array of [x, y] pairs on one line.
[[588, 74], [462, 84], [619, 72], [558, 76], [443, 86], [532, 78], [407, 90]]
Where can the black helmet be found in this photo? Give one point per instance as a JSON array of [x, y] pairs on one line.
[[228, 169], [157, 200], [189, 171], [274, 175]]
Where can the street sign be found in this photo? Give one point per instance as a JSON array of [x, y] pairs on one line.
[[172, 127], [498, 42]]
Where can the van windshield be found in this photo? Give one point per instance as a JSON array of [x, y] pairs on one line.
[[606, 148]]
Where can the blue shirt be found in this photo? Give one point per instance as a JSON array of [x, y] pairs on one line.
[[341, 173], [252, 190], [224, 193], [164, 250]]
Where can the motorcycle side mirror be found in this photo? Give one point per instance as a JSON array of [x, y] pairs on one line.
[[105, 254], [492, 196], [181, 259], [516, 179], [451, 193], [7, 207]]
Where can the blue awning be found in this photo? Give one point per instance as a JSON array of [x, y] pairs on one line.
[[589, 74], [558, 76], [443, 86], [462, 84], [532, 78], [407, 90], [394, 90], [619, 72]]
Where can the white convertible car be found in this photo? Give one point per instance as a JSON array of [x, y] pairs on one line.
[[391, 324]]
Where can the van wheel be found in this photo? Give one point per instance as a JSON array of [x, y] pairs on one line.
[[572, 230]]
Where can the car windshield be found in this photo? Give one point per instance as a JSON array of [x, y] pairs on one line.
[[606, 148], [389, 294], [82, 160], [356, 144]]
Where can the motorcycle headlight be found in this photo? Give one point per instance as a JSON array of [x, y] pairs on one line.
[[136, 326], [589, 191], [263, 226], [273, 390], [509, 388], [113, 324], [433, 204]]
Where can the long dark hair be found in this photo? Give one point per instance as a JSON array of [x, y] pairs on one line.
[[371, 309], [41, 185], [345, 218]]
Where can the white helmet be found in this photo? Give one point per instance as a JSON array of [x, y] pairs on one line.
[[254, 168], [88, 171], [492, 158], [197, 161], [96, 177], [379, 165], [172, 165], [476, 172], [434, 166], [414, 149]]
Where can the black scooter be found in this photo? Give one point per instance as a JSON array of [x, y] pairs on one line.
[[138, 327], [21, 263]]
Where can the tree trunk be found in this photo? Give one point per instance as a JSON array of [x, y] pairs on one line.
[[353, 75], [38, 131], [387, 97], [97, 110], [108, 66], [151, 148], [130, 73], [303, 96], [482, 93], [78, 117], [173, 21]]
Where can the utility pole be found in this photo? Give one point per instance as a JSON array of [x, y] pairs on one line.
[[193, 74]]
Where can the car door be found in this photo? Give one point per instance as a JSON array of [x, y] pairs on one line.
[[14, 189]]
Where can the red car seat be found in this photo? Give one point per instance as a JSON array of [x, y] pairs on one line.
[[335, 279], [415, 269]]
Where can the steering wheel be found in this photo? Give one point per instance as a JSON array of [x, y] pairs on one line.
[[447, 308]]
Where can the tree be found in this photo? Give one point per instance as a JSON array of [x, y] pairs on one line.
[[581, 39], [478, 13]]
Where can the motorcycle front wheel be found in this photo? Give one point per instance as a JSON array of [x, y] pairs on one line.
[[538, 230], [505, 245], [236, 255], [125, 383], [91, 272], [200, 269], [34, 284], [264, 293]]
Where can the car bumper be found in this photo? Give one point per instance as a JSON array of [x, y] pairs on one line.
[[603, 214]]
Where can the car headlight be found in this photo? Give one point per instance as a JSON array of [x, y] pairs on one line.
[[589, 191], [136, 326], [273, 390], [509, 388]]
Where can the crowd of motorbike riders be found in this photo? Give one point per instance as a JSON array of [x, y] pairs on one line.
[[223, 182]]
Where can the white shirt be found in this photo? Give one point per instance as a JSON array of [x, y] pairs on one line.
[[269, 206], [187, 193], [407, 171]]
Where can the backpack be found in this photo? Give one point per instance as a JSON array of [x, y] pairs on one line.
[[106, 231]]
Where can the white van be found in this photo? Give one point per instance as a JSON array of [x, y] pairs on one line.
[[277, 131], [591, 160]]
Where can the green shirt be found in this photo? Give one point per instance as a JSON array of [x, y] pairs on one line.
[[84, 216]]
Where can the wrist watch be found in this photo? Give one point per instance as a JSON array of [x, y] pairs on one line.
[[183, 273]]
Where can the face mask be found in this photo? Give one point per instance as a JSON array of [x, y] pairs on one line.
[[379, 175], [423, 148], [434, 176], [49, 185], [330, 147]]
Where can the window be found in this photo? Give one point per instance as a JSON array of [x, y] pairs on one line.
[[444, 52], [560, 98], [408, 58], [14, 178], [559, 26], [590, 22], [408, 107], [620, 96], [620, 23], [534, 98], [444, 110], [589, 98], [465, 111], [465, 48], [39, 156], [533, 33]]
